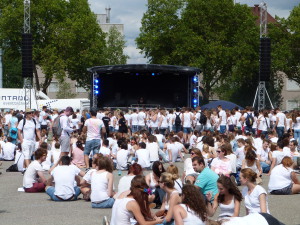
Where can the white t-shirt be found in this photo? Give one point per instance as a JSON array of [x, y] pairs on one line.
[[240, 155], [122, 157], [232, 158], [279, 155], [222, 114], [94, 127], [41, 119], [87, 177], [64, 178], [173, 148], [280, 178], [253, 218], [141, 118], [297, 124], [104, 150], [19, 160], [221, 167], [187, 119], [264, 154], [30, 175], [281, 119], [134, 119], [238, 116], [252, 200], [143, 156], [124, 184], [29, 129], [75, 123], [128, 118], [8, 150], [153, 151]]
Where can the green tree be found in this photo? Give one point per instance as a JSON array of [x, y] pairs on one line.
[[114, 47], [65, 91], [66, 38], [218, 36]]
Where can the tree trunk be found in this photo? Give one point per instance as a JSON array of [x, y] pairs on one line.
[[46, 83], [205, 94]]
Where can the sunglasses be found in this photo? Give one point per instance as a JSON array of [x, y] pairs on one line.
[[192, 153], [220, 151]]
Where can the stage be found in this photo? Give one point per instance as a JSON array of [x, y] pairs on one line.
[[145, 84]]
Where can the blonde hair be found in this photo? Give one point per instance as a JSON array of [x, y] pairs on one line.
[[206, 148], [173, 170], [168, 179]]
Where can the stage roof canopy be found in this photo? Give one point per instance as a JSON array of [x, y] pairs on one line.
[[144, 69]]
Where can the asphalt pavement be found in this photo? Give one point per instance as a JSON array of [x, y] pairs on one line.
[[25, 208]]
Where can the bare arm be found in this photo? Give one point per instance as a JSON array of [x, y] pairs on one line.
[[263, 203], [110, 184], [272, 165], [294, 178], [237, 206], [174, 200], [42, 177], [258, 167], [212, 207], [178, 215]]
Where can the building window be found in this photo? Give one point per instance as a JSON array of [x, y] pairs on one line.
[[292, 85], [53, 87], [80, 89], [292, 104]]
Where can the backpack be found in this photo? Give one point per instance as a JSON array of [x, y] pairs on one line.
[[177, 119], [56, 127], [202, 119], [249, 120]]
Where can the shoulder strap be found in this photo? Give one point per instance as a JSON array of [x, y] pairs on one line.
[[19, 158], [24, 121], [178, 184]]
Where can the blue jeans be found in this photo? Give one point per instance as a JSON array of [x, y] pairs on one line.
[[135, 128], [177, 128], [222, 129], [105, 204], [92, 145], [249, 129], [279, 131], [297, 135], [163, 155], [50, 191], [265, 167]]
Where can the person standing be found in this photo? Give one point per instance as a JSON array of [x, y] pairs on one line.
[[28, 130], [93, 127], [12, 126], [280, 123], [223, 119], [43, 118], [66, 125]]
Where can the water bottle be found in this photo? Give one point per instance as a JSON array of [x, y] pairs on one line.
[[119, 172]]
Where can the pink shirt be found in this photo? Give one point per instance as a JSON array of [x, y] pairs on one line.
[[78, 157]]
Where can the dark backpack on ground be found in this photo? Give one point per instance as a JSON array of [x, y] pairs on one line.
[[249, 120], [177, 119], [202, 119]]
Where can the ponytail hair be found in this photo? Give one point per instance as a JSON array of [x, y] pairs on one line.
[[168, 179]]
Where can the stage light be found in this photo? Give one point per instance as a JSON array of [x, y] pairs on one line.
[[153, 74], [96, 81], [195, 106], [96, 86], [195, 90], [96, 92], [195, 79], [195, 101], [137, 74]]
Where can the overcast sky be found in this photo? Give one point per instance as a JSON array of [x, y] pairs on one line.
[[130, 12]]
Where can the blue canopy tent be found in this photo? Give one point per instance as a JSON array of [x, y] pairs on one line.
[[224, 104]]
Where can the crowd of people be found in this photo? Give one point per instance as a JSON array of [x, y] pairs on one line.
[[220, 151]]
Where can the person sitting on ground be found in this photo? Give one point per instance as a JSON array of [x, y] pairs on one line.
[[192, 210], [152, 180], [78, 156], [104, 149], [171, 198], [172, 169], [255, 195], [134, 204], [189, 175], [207, 179], [8, 150], [228, 199], [143, 156], [174, 150], [125, 181], [34, 179], [221, 164], [85, 183], [263, 156], [277, 155], [122, 155], [283, 180], [102, 184], [252, 162], [64, 176]]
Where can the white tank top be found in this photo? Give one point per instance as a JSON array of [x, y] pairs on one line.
[[227, 210], [99, 187], [191, 218], [168, 200], [164, 123], [120, 215], [152, 184], [187, 119], [253, 167]]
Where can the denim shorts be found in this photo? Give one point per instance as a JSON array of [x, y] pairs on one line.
[[50, 191], [187, 130], [92, 145], [105, 204]]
